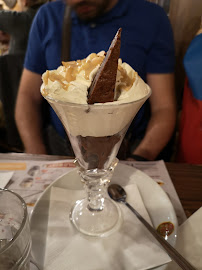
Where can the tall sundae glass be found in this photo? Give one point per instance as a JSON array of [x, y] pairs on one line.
[[96, 99], [96, 133]]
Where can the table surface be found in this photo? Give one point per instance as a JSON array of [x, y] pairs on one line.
[[187, 179]]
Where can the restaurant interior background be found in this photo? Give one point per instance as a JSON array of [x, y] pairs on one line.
[[185, 17]]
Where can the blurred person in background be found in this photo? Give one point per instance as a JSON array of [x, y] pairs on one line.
[[17, 24], [14, 31], [190, 124], [147, 45]]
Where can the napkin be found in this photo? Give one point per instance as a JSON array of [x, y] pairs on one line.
[[5, 177], [131, 247], [189, 241]]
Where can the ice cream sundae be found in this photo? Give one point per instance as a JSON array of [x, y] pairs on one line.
[[96, 99]]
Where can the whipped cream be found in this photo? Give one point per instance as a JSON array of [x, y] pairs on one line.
[[66, 89], [71, 81]]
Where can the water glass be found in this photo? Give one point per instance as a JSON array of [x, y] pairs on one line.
[[15, 237]]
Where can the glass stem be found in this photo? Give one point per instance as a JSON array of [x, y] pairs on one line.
[[95, 195], [96, 183]]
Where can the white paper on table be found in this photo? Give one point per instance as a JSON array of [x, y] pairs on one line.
[[189, 241], [132, 247], [5, 177]]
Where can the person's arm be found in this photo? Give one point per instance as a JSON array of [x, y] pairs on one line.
[[163, 116], [28, 112]]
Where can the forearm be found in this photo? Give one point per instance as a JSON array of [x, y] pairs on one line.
[[28, 113], [30, 126], [163, 116], [159, 131]]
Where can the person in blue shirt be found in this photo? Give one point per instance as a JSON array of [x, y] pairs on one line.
[[147, 45]]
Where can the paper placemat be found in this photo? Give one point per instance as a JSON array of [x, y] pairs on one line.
[[30, 184]]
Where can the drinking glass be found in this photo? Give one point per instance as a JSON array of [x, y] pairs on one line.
[[15, 238], [96, 133]]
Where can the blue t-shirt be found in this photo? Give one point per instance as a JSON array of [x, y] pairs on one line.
[[147, 42]]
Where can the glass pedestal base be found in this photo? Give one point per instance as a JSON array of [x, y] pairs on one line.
[[96, 222]]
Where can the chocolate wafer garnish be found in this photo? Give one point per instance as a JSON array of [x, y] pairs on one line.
[[102, 88]]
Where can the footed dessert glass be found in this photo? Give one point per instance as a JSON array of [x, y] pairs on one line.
[[96, 133]]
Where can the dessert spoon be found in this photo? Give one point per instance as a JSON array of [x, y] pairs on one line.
[[118, 194]]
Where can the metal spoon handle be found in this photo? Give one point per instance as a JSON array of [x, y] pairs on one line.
[[184, 264]]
